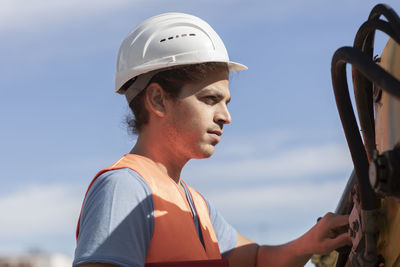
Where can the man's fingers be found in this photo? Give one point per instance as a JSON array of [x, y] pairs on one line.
[[334, 220], [339, 241]]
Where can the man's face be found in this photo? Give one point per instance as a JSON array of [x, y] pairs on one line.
[[196, 118]]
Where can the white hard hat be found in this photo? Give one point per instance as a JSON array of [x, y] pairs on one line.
[[165, 41]]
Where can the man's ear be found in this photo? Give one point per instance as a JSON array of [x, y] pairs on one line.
[[155, 99]]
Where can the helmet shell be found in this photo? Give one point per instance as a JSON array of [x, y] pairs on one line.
[[169, 40]]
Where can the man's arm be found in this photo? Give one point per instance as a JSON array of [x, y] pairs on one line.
[[320, 239], [97, 265]]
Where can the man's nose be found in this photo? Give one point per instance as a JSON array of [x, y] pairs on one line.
[[222, 115]]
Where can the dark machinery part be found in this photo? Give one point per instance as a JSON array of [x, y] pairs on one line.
[[344, 207], [367, 75], [384, 173]]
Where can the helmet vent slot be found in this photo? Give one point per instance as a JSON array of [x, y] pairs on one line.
[[177, 36]]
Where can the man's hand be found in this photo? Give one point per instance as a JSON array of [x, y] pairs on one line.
[[329, 233]]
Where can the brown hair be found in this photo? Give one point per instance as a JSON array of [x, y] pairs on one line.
[[172, 81]]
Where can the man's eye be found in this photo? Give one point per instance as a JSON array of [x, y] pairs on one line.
[[210, 99]]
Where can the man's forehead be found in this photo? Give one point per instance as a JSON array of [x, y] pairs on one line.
[[220, 86]]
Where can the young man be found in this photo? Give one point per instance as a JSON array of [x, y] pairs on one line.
[[174, 70]]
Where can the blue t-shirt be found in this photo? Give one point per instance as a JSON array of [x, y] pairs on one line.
[[117, 221]]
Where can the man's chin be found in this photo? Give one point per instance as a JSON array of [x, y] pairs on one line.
[[206, 153]]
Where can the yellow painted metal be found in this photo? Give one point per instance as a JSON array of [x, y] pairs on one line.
[[387, 129], [325, 260], [387, 110]]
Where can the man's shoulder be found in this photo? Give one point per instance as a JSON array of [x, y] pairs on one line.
[[118, 209], [123, 179]]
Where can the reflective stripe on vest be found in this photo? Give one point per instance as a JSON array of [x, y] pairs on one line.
[[175, 236]]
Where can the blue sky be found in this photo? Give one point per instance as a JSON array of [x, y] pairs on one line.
[[283, 161]]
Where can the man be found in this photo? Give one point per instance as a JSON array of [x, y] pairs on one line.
[[174, 71]]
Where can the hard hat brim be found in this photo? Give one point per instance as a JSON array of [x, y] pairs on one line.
[[234, 66]]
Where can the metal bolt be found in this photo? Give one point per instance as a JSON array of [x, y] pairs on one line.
[[352, 233], [355, 226]]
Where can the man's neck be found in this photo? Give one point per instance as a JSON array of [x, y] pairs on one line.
[[166, 160]]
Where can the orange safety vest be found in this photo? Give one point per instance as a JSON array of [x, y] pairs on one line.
[[175, 236]]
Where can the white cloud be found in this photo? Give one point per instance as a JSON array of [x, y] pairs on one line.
[[279, 197], [290, 162], [276, 214], [39, 210], [248, 144], [262, 190]]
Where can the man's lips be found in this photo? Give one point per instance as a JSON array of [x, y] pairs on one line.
[[216, 132]]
